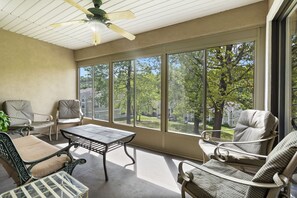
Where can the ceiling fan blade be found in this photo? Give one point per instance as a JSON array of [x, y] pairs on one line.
[[55, 25], [73, 3], [120, 15], [121, 31], [96, 38]]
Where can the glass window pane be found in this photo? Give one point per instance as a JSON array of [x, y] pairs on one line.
[[123, 81], [86, 90], [148, 92], [101, 91], [185, 92], [230, 84], [293, 61]]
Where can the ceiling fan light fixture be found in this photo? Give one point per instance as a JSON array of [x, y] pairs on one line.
[[96, 38], [97, 26]]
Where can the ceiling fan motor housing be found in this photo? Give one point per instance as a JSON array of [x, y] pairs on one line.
[[97, 3], [99, 15]]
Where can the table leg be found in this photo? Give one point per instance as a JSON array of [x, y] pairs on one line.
[[65, 136], [104, 163], [125, 148]]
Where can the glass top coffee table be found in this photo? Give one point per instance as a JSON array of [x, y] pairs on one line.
[[99, 139], [59, 184]]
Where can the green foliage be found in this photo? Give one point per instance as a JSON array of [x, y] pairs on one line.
[[4, 121]]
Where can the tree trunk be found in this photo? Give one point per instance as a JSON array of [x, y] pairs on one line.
[[196, 124], [218, 117], [128, 88]]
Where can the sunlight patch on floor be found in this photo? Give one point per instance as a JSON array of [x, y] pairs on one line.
[[150, 166]]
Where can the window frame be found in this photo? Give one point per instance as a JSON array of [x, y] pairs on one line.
[[256, 34]]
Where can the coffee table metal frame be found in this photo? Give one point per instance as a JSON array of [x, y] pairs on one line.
[[85, 136]]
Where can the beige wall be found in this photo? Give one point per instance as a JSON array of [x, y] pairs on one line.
[[37, 71], [207, 29], [270, 2]]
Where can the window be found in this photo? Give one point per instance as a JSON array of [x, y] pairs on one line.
[[292, 65], [219, 78], [137, 92], [86, 90], [123, 92], [94, 91], [230, 84], [281, 60], [101, 91], [148, 92], [203, 88], [185, 92]]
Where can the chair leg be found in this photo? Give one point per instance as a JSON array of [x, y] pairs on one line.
[[204, 158], [50, 133], [57, 131], [183, 194]]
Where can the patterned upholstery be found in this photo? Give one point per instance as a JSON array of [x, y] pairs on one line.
[[276, 161], [207, 186], [202, 184]]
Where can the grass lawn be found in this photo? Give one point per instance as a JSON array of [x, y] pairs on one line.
[[154, 122]]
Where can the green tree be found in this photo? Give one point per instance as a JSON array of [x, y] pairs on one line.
[[186, 86], [148, 84], [229, 78], [101, 88], [123, 73]]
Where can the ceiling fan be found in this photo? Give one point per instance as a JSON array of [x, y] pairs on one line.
[[97, 18]]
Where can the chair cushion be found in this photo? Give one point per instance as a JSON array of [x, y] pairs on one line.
[[31, 148], [276, 162], [19, 109], [39, 125], [278, 159], [69, 121], [254, 125], [69, 109], [207, 185], [233, 157]]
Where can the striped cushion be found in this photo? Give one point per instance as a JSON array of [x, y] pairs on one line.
[[206, 185], [276, 162]]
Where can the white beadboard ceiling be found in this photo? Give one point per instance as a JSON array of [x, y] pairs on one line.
[[32, 18]]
